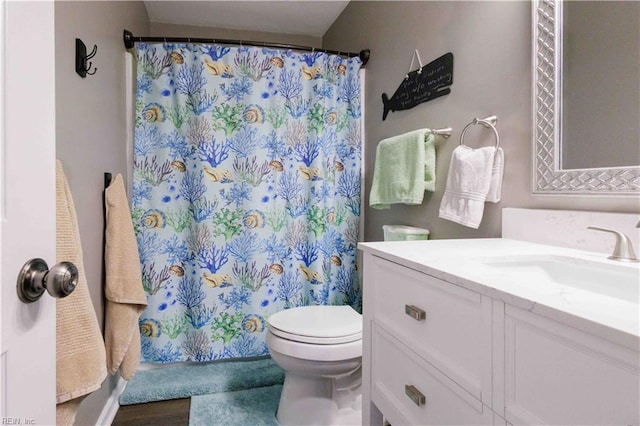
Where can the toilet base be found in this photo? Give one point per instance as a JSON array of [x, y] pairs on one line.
[[320, 401]]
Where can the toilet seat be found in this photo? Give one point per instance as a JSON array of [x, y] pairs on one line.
[[316, 340], [320, 325], [311, 351]]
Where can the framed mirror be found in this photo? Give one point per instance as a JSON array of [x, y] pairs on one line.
[[559, 164]]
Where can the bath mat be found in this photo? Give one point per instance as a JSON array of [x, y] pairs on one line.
[[255, 407], [183, 381]]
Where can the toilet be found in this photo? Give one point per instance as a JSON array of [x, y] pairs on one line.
[[320, 350]]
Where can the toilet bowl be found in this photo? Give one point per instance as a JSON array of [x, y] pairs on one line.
[[320, 350]]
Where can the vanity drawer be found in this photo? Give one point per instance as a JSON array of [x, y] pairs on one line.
[[395, 367], [454, 334]]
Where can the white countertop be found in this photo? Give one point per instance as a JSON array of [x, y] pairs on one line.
[[460, 262]]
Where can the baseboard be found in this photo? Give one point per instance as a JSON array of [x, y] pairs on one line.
[[112, 405]]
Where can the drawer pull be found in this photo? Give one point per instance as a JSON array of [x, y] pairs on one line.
[[414, 394], [415, 313]]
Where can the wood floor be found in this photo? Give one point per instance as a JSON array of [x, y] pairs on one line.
[[174, 412]]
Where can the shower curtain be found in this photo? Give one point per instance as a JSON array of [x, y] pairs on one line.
[[246, 193]]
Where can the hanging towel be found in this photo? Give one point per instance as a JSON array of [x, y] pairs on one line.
[[66, 411], [429, 162], [468, 183], [80, 354], [405, 167], [495, 189], [125, 296]]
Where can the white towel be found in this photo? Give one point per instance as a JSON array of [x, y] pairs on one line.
[[495, 189], [468, 184]]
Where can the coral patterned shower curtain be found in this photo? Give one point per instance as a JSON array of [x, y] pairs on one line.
[[246, 194]]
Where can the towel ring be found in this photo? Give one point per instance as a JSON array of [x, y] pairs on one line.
[[486, 122]]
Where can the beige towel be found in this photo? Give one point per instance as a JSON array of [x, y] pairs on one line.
[[125, 296], [80, 354], [66, 411]]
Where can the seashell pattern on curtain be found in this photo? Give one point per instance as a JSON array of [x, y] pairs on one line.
[[246, 193]]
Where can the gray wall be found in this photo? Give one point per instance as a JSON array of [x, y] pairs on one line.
[[491, 44], [159, 29], [90, 128]]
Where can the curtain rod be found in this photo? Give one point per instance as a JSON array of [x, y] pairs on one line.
[[130, 40]]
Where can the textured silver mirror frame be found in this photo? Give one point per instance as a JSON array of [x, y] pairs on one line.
[[548, 178]]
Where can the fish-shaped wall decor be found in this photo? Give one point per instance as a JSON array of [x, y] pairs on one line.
[[421, 85]]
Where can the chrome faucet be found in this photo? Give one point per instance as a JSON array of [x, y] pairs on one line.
[[623, 250]]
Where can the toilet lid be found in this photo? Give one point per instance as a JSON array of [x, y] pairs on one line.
[[317, 324]]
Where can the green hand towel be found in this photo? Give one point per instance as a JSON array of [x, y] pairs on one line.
[[429, 162], [405, 167]]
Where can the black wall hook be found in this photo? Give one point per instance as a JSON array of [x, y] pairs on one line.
[[83, 66]]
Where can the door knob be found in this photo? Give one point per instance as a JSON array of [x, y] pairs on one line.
[[35, 277]]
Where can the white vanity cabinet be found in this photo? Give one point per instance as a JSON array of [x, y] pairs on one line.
[[437, 352]]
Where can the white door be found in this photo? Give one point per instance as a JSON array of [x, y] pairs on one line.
[[27, 209]]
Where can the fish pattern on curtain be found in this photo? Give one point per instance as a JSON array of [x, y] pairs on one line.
[[246, 193]]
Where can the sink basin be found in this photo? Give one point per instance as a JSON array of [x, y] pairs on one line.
[[621, 281]]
